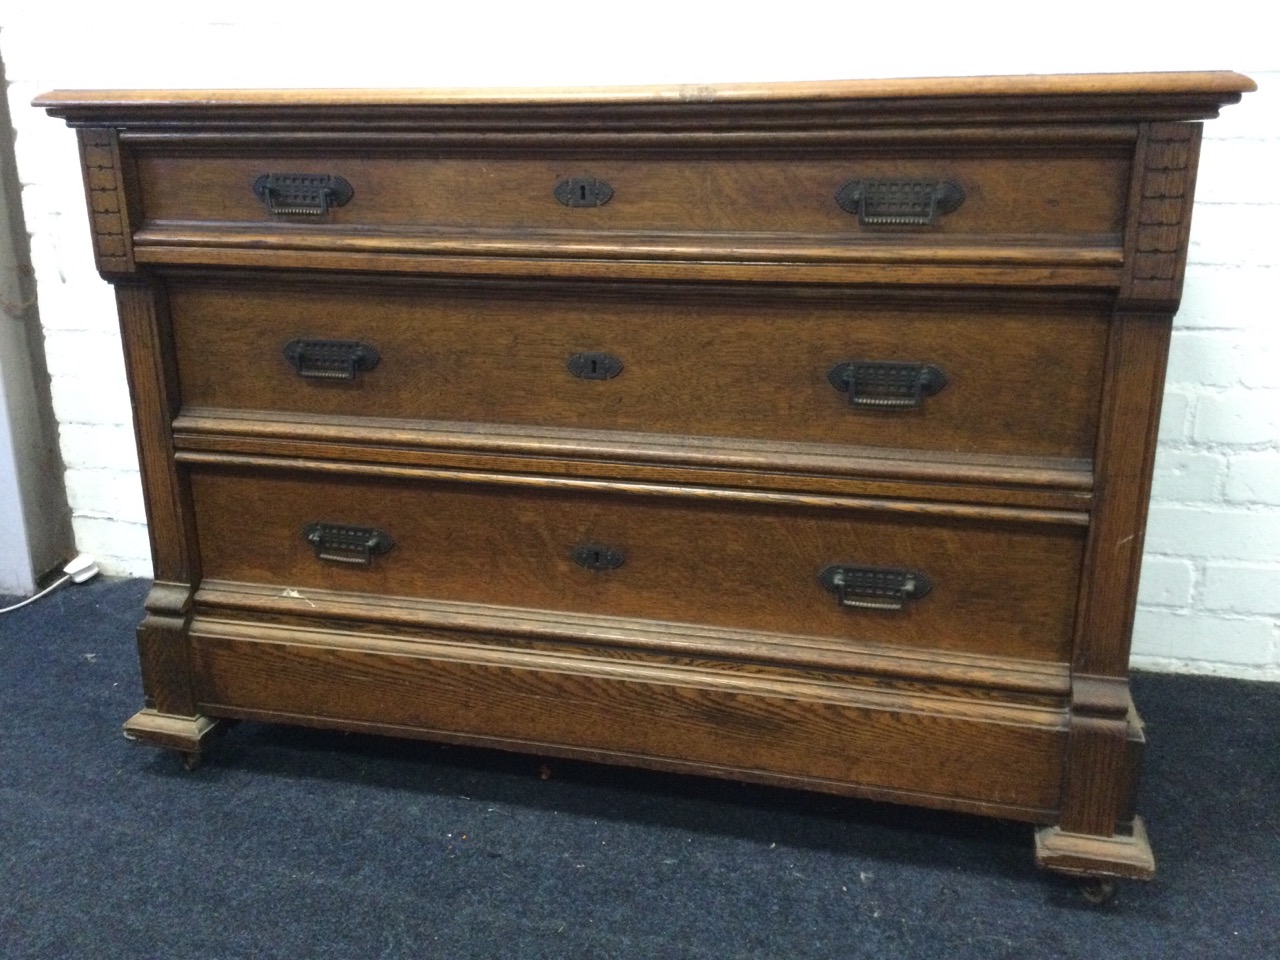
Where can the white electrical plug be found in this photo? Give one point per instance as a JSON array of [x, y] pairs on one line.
[[82, 568]]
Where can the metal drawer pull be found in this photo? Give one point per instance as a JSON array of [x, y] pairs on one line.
[[598, 556], [330, 359], [899, 203], [874, 588], [875, 384], [583, 192], [594, 366], [339, 543], [311, 194]]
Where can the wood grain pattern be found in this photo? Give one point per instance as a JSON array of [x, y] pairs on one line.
[[1015, 482], [1124, 462], [636, 255], [590, 660], [958, 675], [930, 266], [688, 368], [734, 729], [1048, 196], [724, 564], [740, 495]]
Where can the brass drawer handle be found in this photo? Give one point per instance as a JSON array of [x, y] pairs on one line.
[[311, 194], [330, 359], [899, 203], [598, 556], [874, 588], [339, 543], [583, 192], [886, 384]]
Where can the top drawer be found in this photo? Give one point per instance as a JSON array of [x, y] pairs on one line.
[[815, 205]]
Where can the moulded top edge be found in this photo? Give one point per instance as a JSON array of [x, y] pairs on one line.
[[1221, 86]]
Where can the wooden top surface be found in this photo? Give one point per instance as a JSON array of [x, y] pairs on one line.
[[1223, 85]]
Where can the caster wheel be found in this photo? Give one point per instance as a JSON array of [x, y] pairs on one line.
[[1098, 890], [189, 759]]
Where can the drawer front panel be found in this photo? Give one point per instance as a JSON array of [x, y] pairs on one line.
[[1054, 197], [1020, 380], [997, 588], [909, 754]]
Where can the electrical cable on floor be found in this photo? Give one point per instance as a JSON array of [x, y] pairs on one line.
[[47, 590], [82, 568]]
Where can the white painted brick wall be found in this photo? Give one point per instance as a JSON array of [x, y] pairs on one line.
[[1208, 599], [1241, 588], [1238, 416], [1167, 582], [1228, 643], [1254, 478]]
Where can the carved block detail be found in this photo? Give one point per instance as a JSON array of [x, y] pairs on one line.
[[103, 183], [162, 649], [1096, 795], [1162, 195]]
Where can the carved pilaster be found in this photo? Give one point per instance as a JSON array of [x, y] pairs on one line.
[[1124, 458], [1163, 182], [1098, 833], [153, 384], [104, 185], [1105, 736], [170, 718]]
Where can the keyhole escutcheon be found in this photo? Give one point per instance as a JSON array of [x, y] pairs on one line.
[[594, 366], [583, 192], [598, 556]]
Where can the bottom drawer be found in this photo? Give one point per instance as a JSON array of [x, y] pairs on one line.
[[1005, 589], [975, 756]]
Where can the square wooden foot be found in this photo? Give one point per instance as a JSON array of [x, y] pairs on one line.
[[1083, 854], [157, 729]]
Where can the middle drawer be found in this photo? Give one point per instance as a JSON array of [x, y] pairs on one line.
[[804, 567], [930, 373]]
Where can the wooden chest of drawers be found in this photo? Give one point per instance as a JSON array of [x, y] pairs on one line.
[[793, 433]]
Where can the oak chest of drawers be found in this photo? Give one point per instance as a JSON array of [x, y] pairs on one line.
[[792, 433]]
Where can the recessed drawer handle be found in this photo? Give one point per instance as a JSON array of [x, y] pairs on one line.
[[340, 543], [899, 203], [875, 384], [598, 556], [583, 192], [874, 588], [330, 359], [311, 194]]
